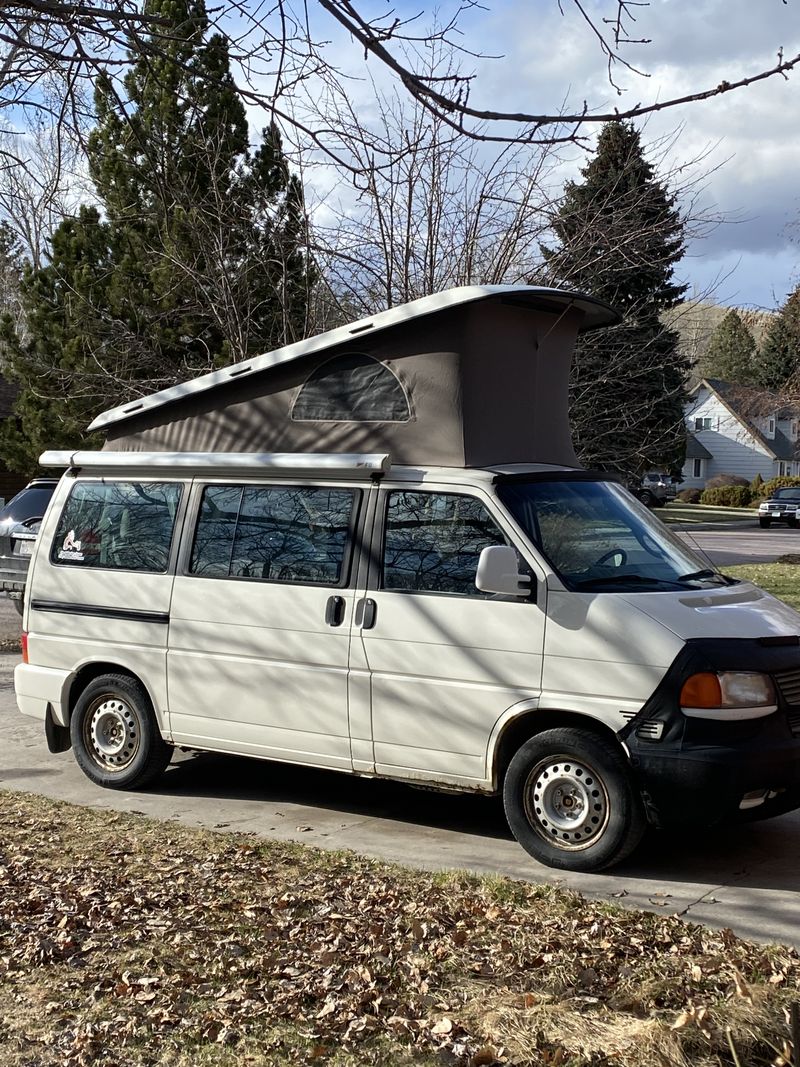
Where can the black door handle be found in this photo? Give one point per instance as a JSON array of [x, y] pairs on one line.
[[365, 613], [334, 610]]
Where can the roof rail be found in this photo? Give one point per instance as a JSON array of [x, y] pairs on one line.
[[325, 464]]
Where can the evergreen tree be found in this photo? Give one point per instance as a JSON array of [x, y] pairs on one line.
[[620, 236], [195, 261], [730, 351], [778, 360]]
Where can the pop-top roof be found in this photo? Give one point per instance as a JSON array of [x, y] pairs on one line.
[[595, 314]]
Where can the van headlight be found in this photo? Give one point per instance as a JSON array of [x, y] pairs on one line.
[[728, 695]]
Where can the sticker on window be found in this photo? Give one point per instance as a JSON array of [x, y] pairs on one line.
[[71, 549]]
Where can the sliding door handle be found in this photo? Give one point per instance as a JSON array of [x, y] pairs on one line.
[[334, 611], [366, 610]]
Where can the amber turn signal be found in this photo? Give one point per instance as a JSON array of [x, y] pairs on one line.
[[702, 691]]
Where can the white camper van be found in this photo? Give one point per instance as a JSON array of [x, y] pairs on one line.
[[478, 622]]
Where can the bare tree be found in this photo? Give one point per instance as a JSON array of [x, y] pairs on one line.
[[427, 209], [278, 46]]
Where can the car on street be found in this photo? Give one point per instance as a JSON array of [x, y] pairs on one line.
[[782, 506], [655, 489]]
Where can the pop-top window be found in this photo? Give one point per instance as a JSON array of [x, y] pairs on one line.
[[117, 526], [277, 533], [352, 388]]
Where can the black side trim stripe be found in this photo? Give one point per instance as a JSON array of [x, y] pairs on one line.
[[129, 614]]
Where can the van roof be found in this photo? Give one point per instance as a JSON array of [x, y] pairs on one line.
[[595, 314]]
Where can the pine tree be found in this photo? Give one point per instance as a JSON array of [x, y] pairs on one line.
[[195, 261], [778, 360], [730, 351], [620, 236]]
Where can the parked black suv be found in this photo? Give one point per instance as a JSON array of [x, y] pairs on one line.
[[20, 520]]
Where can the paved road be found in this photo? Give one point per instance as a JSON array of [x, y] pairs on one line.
[[745, 877], [727, 545]]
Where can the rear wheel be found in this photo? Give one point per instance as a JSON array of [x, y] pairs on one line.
[[570, 801], [115, 737]]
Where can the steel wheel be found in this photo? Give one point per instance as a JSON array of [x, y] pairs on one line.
[[566, 803], [571, 800], [114, 733]]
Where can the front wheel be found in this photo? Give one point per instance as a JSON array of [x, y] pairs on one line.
[[570, 801], [115, 737], [764, 524]]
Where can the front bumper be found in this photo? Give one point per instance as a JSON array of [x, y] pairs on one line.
[[698, 771]]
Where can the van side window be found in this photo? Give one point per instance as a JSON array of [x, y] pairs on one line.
[[117, 526], [433, 540], [278, 533]]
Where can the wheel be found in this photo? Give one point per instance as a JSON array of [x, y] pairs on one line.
[[647, 498], [115, 736], [18, 602], [570, 801], [792, 521], [764, 523]]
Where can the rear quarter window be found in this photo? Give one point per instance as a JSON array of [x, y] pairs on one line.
[[117, 526]]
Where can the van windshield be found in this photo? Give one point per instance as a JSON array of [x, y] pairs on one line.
[[597, 537]]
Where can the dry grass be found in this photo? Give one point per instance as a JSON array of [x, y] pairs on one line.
[[125, 942]]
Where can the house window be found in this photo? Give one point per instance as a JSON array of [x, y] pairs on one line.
[[794, 431], [697, 468], [771, 428], [703, 424], [783, 468]]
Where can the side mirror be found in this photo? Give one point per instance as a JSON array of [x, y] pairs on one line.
[[498, 572]]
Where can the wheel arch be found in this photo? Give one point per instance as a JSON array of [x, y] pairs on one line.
[[95, 669], [519, 729]]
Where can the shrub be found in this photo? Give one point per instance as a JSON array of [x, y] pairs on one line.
[[720, 480], [757, 485], [690, 496], [768, 488], [727, 496]]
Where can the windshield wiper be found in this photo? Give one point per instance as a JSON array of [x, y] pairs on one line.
[[706, 573], [626, 579]]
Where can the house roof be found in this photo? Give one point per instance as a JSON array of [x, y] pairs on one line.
[[558, 301], [746, 403], [694, 450]]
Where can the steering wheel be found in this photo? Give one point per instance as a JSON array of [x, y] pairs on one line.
[[610, 555]]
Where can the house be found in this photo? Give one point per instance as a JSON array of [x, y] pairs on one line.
[[739, 429]]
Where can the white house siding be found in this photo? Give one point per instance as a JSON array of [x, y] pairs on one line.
[[734, 449]]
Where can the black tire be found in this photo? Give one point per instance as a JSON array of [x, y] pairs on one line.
[[19, 604], [647, 498], [115, 737], [764, 524], [792, 522], [604, 820]]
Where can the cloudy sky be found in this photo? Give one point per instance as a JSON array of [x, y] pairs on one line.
[[749, 139]]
